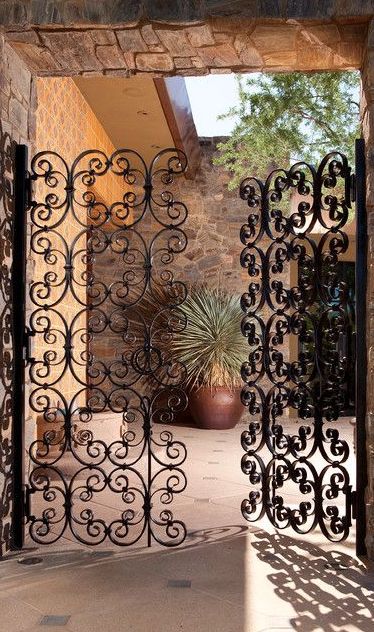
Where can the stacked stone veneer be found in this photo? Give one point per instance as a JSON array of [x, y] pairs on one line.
[[367, 115], [61, 39], [16, 125], [212, 255]]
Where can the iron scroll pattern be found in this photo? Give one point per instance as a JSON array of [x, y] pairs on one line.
[[115, 479], [295, 457]]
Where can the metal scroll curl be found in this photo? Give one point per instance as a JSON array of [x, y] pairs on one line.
[[105, 233], [295, 312]]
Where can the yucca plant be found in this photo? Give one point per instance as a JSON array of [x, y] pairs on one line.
[[211, 346]]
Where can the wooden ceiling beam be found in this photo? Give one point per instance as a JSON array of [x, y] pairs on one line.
[[176, 105]]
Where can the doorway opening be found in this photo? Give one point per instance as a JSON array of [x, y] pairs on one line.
[[86, 365]]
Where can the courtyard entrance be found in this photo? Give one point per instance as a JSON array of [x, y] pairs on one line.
[[105, 445]]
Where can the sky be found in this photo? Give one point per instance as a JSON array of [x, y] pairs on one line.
[[210, 96]]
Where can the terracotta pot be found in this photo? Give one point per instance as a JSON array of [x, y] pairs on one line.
[[216, 408]]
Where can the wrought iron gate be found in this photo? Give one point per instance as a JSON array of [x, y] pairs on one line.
[[296, 319], [102, 306]]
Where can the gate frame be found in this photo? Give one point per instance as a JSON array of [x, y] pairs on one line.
[[358, 195], [19, 320], [361, 347], [24, 201]]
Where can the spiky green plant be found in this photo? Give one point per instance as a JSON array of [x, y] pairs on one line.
[[211, 347]]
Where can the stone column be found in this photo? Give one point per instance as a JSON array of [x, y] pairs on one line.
[[16, 126], [367, 117]]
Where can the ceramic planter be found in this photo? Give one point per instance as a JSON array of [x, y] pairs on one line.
[[216, 408]]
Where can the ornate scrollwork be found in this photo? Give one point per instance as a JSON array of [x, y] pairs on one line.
[[105, 233], [293, 241], [6, 338]]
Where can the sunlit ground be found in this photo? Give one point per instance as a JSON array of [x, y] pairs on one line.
[[227, 576]]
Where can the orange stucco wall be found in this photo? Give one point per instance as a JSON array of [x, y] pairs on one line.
[[66, 124]]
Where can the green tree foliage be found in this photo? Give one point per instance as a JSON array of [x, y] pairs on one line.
[[285, 117]]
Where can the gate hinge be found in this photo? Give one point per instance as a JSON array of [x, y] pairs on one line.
[[352, 188], [27, 346], [26, 502], [28, 188], [354, 505]]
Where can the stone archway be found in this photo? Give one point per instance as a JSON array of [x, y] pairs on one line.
[[64, 38]]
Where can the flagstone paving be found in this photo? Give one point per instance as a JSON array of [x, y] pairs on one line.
[[228, 576]]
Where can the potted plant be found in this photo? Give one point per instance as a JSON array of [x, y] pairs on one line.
[[212, 348]]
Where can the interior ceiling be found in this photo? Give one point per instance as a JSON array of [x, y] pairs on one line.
[[130, 112]]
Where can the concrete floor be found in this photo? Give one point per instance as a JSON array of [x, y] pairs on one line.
[[226, 577]]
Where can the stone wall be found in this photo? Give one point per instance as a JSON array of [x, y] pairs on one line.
[[241, 45], [215, 216], [213, 226], [131, 12], [367, 114], [16, 126]]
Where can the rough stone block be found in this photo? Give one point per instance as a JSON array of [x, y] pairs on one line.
[[110, 57], [282, 60], [149, 35], [37, 58], [314, 58], [223, 55], [18, 116], [370, 34], [125, 73], [28, 37], [73, 50], [20, 76], [224, 38], [349, 54], [198, 62], [219, 71], [130, 40], [274, 38], [369, 69], [129, 60], [353, 32], [183, 62], [200, 36], [154, 61], [103, 37], [327, 34], [176, 42], [247, 52]]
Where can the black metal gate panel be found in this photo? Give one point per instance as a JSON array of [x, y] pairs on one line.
[[299, 320], [102, 304]]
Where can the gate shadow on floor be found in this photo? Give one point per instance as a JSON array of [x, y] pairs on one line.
[[328, 590]]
